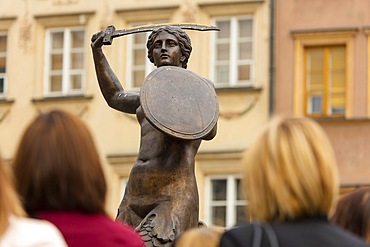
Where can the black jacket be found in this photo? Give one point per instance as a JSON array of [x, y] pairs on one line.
[[316, 232]]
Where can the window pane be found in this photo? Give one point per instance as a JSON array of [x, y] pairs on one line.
[[219, 189], [316, 59], [240, 214], [244, 72], [56, 62], [139, 57], [138, 77], [140, 38], [2, 65], [78, 39], [239, 190], [77, 61], [245, 28], [223, 52], [56, 83], [245, 50], [219, 216], [337, 79], [3, 43], [222, 74], [57, 40], [316, 104], [315, 79], [76, 82], [224, 27], [1, 85]]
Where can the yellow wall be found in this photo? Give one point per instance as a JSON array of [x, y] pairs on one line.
[[115, 133]]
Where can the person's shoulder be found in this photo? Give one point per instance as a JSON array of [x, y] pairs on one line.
[[34, 232], [344, 236], [122, 232], [239, 235]]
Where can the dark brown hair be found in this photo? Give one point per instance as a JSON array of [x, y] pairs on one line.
[[57, 166], [353, 213], [181, 36]]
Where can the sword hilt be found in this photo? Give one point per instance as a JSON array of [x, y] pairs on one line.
[[108, 38]]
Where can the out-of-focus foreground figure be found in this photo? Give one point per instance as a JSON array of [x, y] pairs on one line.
[[16, 230], [60, 178], [200, 237], [291, 183], [353, 213]]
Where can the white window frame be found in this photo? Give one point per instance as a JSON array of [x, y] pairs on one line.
[[148, 67], [4, 75], [234, 62], [66, 72], [123, 183], [230, 203]]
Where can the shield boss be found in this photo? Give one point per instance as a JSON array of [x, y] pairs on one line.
[[179, 102]]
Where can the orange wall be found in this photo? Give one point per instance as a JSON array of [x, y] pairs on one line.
[[350, 139], [293, 15]]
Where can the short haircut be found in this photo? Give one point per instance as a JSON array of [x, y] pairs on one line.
[[182, 38], [57, 166], [290, 171]]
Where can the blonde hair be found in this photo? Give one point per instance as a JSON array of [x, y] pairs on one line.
[[290, 171], [9, 202], [200, 237]]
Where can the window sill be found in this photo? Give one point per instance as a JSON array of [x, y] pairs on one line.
[[239, 89], [63, 98], [340, 120], [4, 101]]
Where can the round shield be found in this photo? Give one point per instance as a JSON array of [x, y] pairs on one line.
[[179, 102]]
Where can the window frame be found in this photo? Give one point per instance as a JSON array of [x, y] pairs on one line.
[[327, 94], [66, 71], [231, 202], [4, 75], [367, 33], [148, 66], [233, 51], [303, 39]]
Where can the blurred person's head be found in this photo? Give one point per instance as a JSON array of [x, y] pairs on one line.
[[200, 237], [353, 213], [290, 171], [9, 202], [57, 166]]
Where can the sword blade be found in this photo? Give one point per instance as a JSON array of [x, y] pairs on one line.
[[147, 28]]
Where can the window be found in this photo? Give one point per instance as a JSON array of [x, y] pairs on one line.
[[225, 203], [367, 32], [3, 49], [233, 63], [139, 65], [323, 72], [64, 73], [325, 77]]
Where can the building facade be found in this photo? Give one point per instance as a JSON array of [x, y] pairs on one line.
[[46, 63], [322, 71]]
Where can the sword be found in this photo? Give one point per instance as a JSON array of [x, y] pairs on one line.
[[111, 32]]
